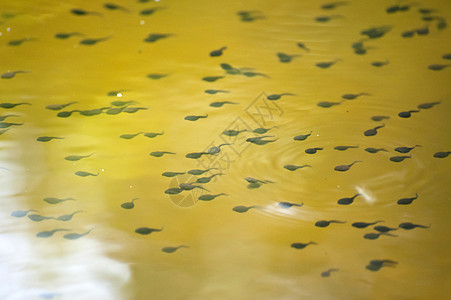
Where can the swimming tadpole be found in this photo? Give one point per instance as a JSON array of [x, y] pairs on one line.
[[129, 136], [325, 65], [8, 105], [313, 150], [262, 130], [286, 58], [76, 236], [38, 218], [160, 153], [437, 67], [407, 114], [325, 19], [77, 157], [93, 112], [48, 138], [118, 103], [207, 179], [407, 201], [213, 92], [295, 167], [59, 106], [303, 46], [288, 205], [242, 209], [212, 78], [373, 131], [333, 5], [151, 135], [91, 42], [347, 200], [66, 35], [428, 105], [399, 158], [377, 264], [375, 150], [208, 197], [82, 12], [19, 42], [195, 155], [302, 245], [218, 52], [4, 117], [172, 249], [379, 63], [199, 172], [354, 96], [10, 75], [379, 118], [442, 154], [327, 104], [156, 76], [190, 186], [221, 103], [302, 137], [66, 114], [50, 233], [150, 11], [129, 205], [22, 213], [375, 236], [8, 124], [112, 6], [405, 149], [344, 168], [250, 16], [257, 139], [278, 96], [153, 37], [362, 225], [173, 191], [147, 230], [172, 174], [327, 273], [52, 200], [410, 226], [232, 132], [343, 148], [376, 32], [384, 229], [68, 217], [195, 118], [85, 174], [325, 223]]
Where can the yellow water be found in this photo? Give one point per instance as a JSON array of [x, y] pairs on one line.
[[230, 255]]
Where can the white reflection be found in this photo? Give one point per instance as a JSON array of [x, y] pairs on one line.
[[366, 194]]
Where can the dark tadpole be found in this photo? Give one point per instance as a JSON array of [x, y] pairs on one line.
[[77, 157], [8, 105], [278, 96], [410, 226], [85, 174], [82, 12], [325, 65], [213, 92], [112, 6], [327, 104], [9, 75], [218, 52], [399, 158], [262, 130], [195, 118], [376, 32], [232, 132], [68, 217], [348, 200], [2, 118], [375, 150], [21, 213], [160, 153], [333, 5], [48, 138], [221, 103], [208, 197], [249, 16], [344, 168], [76, 236], [375, 236], [373, 131], [253, 74], [91, 42], [376, 264], [242, 209], [406, 149], [327, 273], [153, 37], [20, 41], [286, 58], [59, 106], [147, 230], [302, 137], [408, 33], [66, 114], [97, 111], [442, 154], [118, 103], [129, 136], [195, 155], [216, 149], [422, 31], [39, 218], [173, 191], [200, 172], [302, 245], [172, 249], [289, 204], [156, 76], [343, 148], [49, 233], [407, 201], [129, 205], [361, 225], [446, 56], [325, 19], [150, 11], [190, 186], [295, 167], [324, 223], [132, 110], [172, 174], [354, 96], [151, 135], [207, 179], [428, 105], [407, 114], [7, 124], [437, 67], [52, 200], [212, 78], [384, 229], [303, 46], [313, 150], [379, 118], [379, 63], [66, 35]]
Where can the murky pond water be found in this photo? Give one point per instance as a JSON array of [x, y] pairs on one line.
[[225, 149]]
